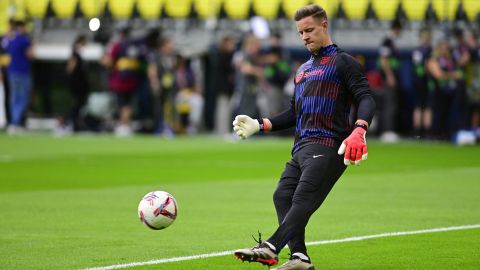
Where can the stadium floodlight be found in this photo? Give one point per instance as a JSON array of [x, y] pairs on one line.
[[94, 24]]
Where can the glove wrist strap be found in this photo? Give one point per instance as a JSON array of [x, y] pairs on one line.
[[361, 124], [260, 124]]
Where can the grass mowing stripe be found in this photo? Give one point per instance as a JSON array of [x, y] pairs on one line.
[[323, 242]]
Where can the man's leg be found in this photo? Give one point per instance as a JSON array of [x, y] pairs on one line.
[[321, 168], [264, 253], [15, 100], [282, 198]]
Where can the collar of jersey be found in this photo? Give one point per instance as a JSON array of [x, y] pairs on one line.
[[327, 50]]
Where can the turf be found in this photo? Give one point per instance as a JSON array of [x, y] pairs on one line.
[[70, 203]]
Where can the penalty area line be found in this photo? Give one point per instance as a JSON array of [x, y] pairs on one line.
[[314, 243]]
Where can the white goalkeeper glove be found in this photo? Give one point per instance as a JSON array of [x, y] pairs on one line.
[[244, 126]]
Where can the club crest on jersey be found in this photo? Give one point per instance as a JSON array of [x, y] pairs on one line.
[[324, 60]]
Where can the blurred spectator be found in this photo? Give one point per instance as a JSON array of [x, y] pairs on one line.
[[462, 58], [424, 91], [149, 51], [224, 85], [161, 74], [3, 116], [249, 74], [4, 62], [391, 94], [473, 85], [188, 101], [276, 74], [79, 86], [441, 66], [122, 60], [19, 47]]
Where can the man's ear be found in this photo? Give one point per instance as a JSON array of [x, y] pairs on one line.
[[325, 24]]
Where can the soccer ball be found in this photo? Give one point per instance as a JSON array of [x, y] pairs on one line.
[[157, 210]]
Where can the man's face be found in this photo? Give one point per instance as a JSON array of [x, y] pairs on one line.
[[313, 34]]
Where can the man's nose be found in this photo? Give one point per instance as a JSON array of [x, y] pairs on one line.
[[305, 37]]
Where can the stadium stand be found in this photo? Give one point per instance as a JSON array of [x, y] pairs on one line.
[[37, 8], [415, 10], [290, 6], [60, 20], [63, 9], [150, 9], [355, 9], [385, 10], [266, 8], [195, 26], [207, 8], [445, 9], [329, 6], [178, 8], [237, 9], [472, 9], [93, 8], [3, 14], [121, 9]]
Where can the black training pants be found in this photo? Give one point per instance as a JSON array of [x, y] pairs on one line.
[[305, 183]]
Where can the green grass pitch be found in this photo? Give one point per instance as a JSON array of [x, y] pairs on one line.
[[71, 203]]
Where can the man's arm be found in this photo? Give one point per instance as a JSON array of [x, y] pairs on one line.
[[284, 120], [356, 83], [245, 126], [354, 147]]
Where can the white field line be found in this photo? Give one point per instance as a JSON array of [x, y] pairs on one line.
[[323, 242]]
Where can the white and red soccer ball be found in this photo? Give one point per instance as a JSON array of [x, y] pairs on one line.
[[157, 210]]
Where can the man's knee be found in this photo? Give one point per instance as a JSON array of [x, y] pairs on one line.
[[282, 197]]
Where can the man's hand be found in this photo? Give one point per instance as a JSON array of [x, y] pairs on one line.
[[354, 147], [245, 126]]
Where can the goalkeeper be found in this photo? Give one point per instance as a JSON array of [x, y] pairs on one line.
[[329, 135]]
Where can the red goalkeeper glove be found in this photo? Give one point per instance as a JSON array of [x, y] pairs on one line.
[[354, 147]]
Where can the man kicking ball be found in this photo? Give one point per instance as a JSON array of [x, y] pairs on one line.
[[326, 87]]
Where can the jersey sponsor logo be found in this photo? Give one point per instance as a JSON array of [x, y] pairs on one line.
[[301, 75], [315, 72]]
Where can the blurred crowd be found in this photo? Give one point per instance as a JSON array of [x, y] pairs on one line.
[[155, 89], [446, 86]]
